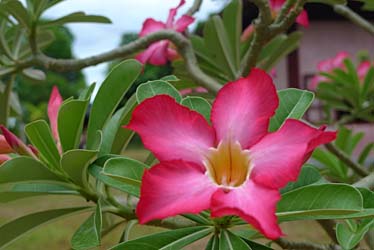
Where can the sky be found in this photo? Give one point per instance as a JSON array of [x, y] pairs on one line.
[[126, 16]]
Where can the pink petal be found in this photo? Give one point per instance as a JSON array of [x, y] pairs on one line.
[[156, 54], [315, 81], [276, 5], [254, 203], [338, 61], [4, 146], [303, 19], [4, 158], [325, 65], [278, 157], [172, 188], [185, 91], [55, 101], [172, 14], [172, 131], [183, 22], [15, 143], [150, 25], [363, 69], [247, 33], [172, 54], [243, 108]]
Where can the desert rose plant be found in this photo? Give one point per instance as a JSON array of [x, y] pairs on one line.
[[228, 158]]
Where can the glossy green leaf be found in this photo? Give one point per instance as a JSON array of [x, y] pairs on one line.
[[89, 233], [77, 17], [319, 201], [115, 137], [293, 103], [109, 96], [70, 123], [365, 153], [24, 190], [41, 137], [213, 243], [229, 241], [18, 11], [96, 171], [309, 175], [21, 169], [125, 169], [198, 104], [157, 87], [170, 78], [87, 92], [169, 240], [349, 238], [13, 230], [75, 164]]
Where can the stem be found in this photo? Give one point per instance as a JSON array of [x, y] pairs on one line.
[[284, 10], [354, 17], [367, 182], [194, 8], [357, 168], [285, 244], [5, 100]]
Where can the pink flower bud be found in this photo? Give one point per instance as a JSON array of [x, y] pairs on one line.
[[15, 143]]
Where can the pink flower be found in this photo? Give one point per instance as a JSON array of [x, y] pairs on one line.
[[363, 69], [191, 90], [15, 143], [328, 66], [4, 158], [54, 104], [161, 52], [234, 167], [4, 146], [247, 33], [276, 6]]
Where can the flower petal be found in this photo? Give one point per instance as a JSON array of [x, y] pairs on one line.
[[55, 101], [303, 19], [15, 143], [363, 69], [172, 14], [156, 54], [278, 157], [5, 148], [4, 158], [172, 188], [150, 25], [172, 131], [254, 203], [183, 22], [243, 108]]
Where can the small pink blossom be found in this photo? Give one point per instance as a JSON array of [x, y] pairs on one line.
[[191, 90], [247, 33], [15, 143], [363, 69], [232, 167], [4, 146], [276, 6], [54, 104], [159, 53]]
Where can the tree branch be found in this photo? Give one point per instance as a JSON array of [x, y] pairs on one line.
[[346, 159], [285, 244], [354, 17], [183, 45], [194, 8]]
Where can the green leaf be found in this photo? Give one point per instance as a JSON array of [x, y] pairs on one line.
[[293, 103], [18, 11], [23, 168], [109, 96], [41, 137], [157, 87], [76, 17], [75, 164], [70, 123], [229, 241], [348, 238], [89, 233], [87, 92], [169, 240], [365, 153], [96, 171], [170, 78], [309, 175], [255, 245], [13, 230], [125, 169], [198, 104], [330, 2], [213, 243], [25, 190], [34, 74], [319, 201], [115, 137]]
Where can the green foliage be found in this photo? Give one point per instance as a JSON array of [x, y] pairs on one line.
[[350, 234], [153, 88]]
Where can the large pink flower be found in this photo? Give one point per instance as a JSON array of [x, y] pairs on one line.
[[328, 65], [234, 167], [161, 52], [276, 6]]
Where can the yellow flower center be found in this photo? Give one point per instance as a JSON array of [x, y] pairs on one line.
[[228, 165]]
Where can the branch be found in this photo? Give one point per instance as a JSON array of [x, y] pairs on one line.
[[183, 45], [284, 10], [285, 244], [346, 159], [367, 182], [194, 8], [354, 17]]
